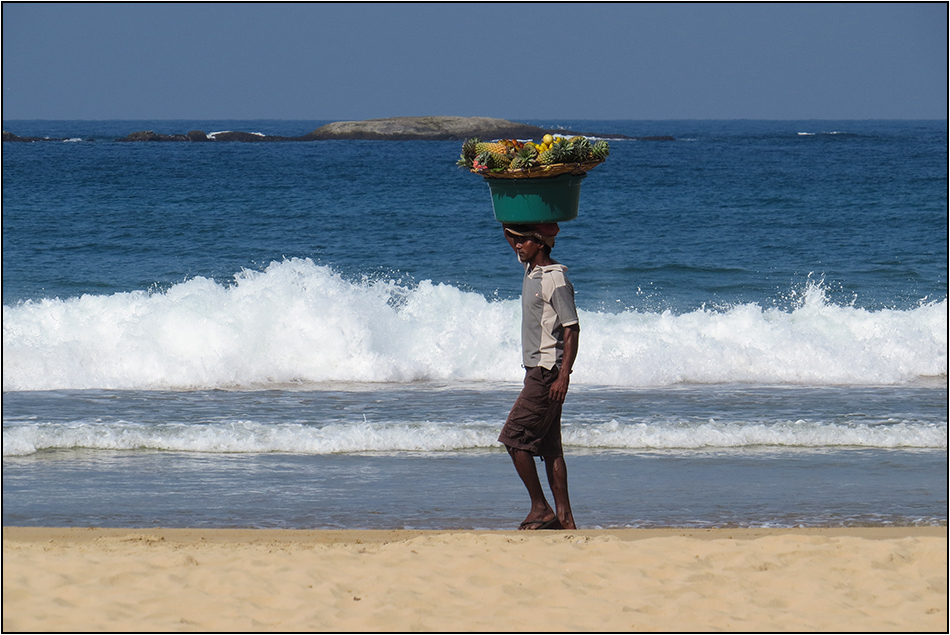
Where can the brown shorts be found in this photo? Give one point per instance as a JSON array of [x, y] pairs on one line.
[[534, 423]]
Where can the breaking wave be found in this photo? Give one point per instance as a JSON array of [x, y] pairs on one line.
[[298, 322]]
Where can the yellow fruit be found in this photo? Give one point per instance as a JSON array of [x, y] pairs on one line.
[[547, 139]]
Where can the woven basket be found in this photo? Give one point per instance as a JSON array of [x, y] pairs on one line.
[[542, 171]]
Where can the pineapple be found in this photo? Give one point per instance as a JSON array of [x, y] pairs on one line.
[[468, 155], [525, 158], [490, 161], [468, 148], [564, 148], [548, 157], [498, 148], [600, 150], [499, 160], [581, 149], [482, 162], [558, 152]]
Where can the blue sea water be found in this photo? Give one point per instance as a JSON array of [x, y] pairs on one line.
[[326, 334]]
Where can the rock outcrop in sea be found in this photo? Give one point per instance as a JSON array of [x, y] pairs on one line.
[[148, 135], [426, 128], [390, 129], [9, 136]]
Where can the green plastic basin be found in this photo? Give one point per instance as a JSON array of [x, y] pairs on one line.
[[548, 200]]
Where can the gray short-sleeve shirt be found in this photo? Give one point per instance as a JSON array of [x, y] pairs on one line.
[[547, 306]]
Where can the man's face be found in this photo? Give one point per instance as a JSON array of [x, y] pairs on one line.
[[526, 247]]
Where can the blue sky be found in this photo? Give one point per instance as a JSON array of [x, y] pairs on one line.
[[517, 61]]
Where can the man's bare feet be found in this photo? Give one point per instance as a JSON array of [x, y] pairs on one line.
[[534, 525]]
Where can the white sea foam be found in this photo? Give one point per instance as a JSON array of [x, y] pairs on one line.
[[424, 436], [300, 322], [245, 436], [211, 135], [714, 434]]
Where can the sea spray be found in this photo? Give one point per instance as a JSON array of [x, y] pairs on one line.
[[816, 343], [298, 322], [293, 322]]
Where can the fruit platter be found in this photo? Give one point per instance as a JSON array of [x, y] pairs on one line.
[[514, 159]]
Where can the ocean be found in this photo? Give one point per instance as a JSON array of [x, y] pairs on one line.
[[327, 334]]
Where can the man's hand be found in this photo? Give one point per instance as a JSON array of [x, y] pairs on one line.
[[559, 388]]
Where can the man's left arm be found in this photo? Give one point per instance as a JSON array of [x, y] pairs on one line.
[[559, 388]]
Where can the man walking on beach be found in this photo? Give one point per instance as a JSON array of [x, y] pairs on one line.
[[549, 337]]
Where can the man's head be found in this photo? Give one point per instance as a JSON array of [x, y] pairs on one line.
[[528, 240]]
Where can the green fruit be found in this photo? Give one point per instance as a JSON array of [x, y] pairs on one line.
[[468, 149], [498, 160], [600, 150], [563, 148], [484, 159], [526, 157], [581, 149]]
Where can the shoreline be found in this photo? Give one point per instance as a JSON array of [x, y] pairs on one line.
[[739, 579], [383, 536]]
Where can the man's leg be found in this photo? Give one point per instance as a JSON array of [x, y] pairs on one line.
[[540, 512], [557, 479]]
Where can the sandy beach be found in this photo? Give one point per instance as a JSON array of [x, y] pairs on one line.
[[833, 579]]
